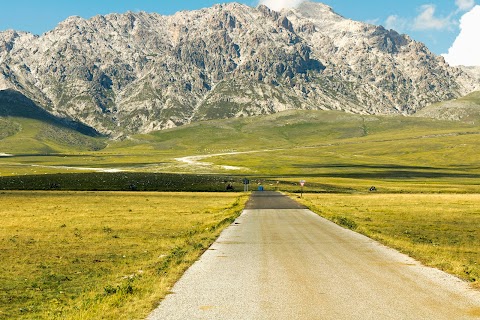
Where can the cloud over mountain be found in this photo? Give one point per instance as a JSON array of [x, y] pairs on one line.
[[466, 48], [427, 20], [278, 5]]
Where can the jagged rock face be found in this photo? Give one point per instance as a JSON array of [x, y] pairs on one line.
[[139, 72]]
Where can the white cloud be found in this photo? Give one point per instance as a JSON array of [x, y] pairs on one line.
[[278, 5], [373, 21], [465, 5], [396, 23], [466, 48], [427, 20]]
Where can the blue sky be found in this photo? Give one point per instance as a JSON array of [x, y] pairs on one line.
[[435, 23]]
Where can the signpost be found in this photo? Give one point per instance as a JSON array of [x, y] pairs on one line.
[[302, 183], [246, 182]]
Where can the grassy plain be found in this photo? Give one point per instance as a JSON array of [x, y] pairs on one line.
[[440, 230], [91, 255], [427, 173], [332, 151]]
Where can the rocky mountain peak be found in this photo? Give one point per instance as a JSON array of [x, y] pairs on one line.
[[138, 72], [317, 10]]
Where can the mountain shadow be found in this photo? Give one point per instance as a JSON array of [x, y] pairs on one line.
[[15, 104]]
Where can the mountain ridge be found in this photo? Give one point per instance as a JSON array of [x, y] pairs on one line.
[[139, 72]]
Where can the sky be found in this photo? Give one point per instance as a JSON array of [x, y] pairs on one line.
[[447, 27]]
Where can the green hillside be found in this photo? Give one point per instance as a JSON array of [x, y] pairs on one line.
[[26, 128], [21, 135], [288, 129], [466, 109], [333, 151]]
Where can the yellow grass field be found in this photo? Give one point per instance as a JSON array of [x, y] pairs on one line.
[[101, 255], [440, 230]]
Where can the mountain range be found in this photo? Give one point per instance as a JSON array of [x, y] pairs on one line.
[[123, 74]]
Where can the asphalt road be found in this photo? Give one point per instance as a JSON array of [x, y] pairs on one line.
[[280, 261]]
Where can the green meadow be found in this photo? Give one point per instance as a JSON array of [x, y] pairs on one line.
[[332, 151], [101, 255], [96, 227]]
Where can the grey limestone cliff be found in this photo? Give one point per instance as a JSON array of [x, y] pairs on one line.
[[138, 72]]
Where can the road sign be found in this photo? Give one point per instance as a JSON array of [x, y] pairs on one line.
[[246, 182], [302, 183]]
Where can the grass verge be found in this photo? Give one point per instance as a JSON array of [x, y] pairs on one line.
[[440, 230], [101, 255]]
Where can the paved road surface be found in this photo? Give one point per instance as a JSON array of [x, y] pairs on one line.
[[280, 261]]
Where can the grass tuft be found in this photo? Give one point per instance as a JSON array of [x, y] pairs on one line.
[[345, 222]]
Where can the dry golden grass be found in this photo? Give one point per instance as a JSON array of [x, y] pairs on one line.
[[92, 255], [440, 230]]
